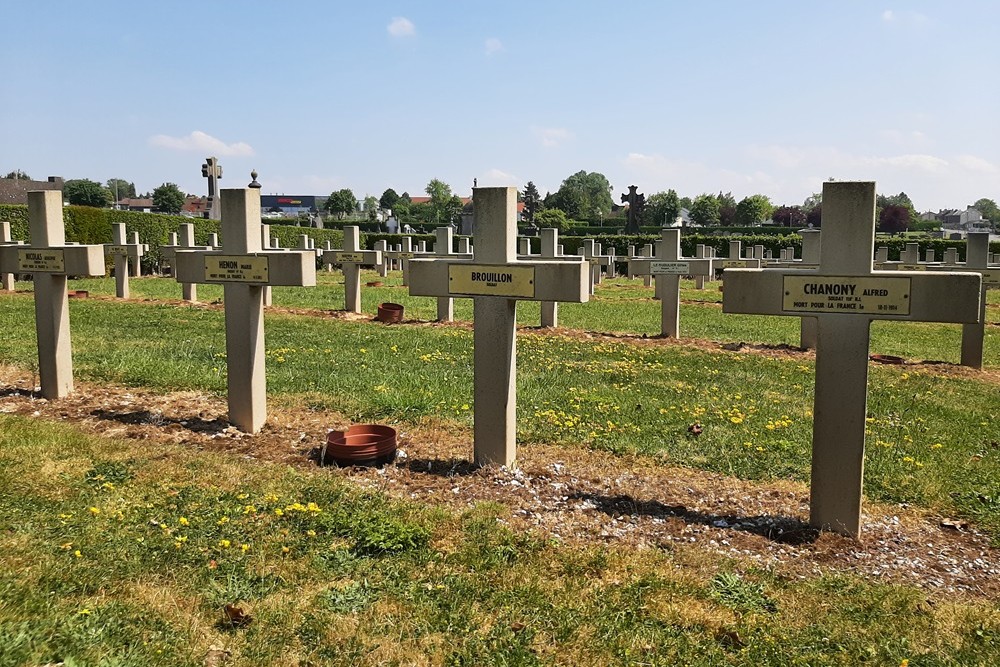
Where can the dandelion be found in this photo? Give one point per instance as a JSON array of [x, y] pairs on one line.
[[244, 548], [224, 544], [465, 406], [285, 550], [223, 521], [83, 612], [937, 445], [279, 512], [78, 554], [183, 521], [311, 533], [94, 510]]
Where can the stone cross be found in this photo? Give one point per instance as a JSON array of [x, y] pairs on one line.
[[244, 269], [139, 248], [383, 268], [213, 172], [845, 295], [122, 251], [977, 253], [351, 258], [636, 202], [50, 261], [495, 280], [442, 248], [592, 253], [7, 279], [667, 270]]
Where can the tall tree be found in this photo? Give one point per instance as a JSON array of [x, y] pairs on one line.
[[341, 202], [884, 201], [789, 216], [753, 210], [812, 201], [661, 209], [120, 188], [583, 195], [168, 198], [388, 199], [727, 209], [894, 219], [814, 218], [552, 218], [442, 202], [705, 210], [532, 202], [371, 207], [19, 175], [85, 192]]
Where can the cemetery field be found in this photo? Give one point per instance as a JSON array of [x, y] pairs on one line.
[[131, 516]]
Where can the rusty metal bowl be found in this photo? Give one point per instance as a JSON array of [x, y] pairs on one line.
[[390, 313], [360, 445]]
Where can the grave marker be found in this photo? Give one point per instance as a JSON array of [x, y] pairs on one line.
[[845, 295], [51, 261], [7, 279], [350, 259], [667, 269], [496, 280], [121, 251], [244, 269]]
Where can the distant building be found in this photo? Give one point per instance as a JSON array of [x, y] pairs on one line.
[[15, 190], [291, 205]]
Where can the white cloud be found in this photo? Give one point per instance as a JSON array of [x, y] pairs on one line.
[[888, 16], [400, 26], [552, 136], [201, 142], [906, 19], [496, 177], [922, 162], [974, 163], [493, 45]]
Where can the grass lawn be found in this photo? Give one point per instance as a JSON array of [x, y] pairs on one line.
[[127, 554]]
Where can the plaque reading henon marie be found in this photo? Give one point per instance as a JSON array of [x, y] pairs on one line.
[[236, 269], [846, 295], [486, 280], [41, 261], [669, 268]]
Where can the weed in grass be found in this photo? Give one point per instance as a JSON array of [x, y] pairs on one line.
[[732, 590]]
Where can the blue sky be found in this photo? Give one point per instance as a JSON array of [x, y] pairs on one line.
[[749, 97]]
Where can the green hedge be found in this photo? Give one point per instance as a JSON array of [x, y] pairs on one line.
[[85, 224]]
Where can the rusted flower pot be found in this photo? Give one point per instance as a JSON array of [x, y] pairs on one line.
[[78, 294], [361, 445], [389, 313], [886, 359], [374, 283]]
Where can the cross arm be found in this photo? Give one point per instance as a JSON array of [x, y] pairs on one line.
[[565, 281], [286, 268], [71, 260]]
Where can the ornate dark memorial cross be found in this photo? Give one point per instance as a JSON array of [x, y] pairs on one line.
[[636, 202], [213, 172]]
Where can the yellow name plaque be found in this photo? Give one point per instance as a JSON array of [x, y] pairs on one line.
[[991, 278], [236, 269], [669, 268], [911, 267], [736, 264], [116, 249], [846, 295], [402, 255], [486, 280], [41, 261], [350, 257]]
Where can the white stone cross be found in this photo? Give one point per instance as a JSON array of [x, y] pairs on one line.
[[667, 270], [244, 269], [350, 259], [550, 250], [121, 250], [845, 295], [590, 250], [442, 248], [50, 261], [495, 280]]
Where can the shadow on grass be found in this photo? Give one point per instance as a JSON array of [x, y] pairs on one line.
[[155, 418], [781, 529]]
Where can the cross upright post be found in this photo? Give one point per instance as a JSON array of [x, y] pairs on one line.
[[120, 249], [550, 250], [51, 261], [811, 244], [496, 280], [845, 295], [244, 269], [442, 248]]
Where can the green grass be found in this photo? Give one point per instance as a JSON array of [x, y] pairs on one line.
[[929, 438], [117, 555]]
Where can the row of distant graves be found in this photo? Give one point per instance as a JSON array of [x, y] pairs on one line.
[[837, 293]]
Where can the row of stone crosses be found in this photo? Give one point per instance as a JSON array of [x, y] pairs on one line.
[[837, 293]]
